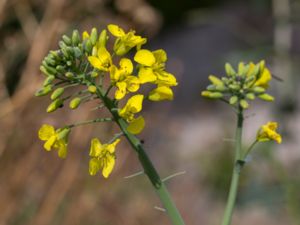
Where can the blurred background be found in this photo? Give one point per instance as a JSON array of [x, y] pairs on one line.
[[189, 134]]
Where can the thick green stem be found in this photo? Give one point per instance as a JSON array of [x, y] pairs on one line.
[[238, 164], [147, 165]]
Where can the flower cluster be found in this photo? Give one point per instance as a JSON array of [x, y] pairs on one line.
[[86, 61], [238, 87]]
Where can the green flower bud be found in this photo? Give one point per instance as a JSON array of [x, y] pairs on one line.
[[234, 87], [75, 38], [216, 95], [50, 69], [241, 68], [48, 80], [57, 93], [88, 46], [75, 102], [215, 80], [77, 52], [94, 36], [266, 97], [67, 40], [103, 38], [92, 89], [233, 100], [44, 71], [258, 90], [43, 91], [50, 61], [70, 51], [60, 69], [244, 104], [94, 74], [69, 75], [250, 96], [54, 105], [229, 70], [220, 88]]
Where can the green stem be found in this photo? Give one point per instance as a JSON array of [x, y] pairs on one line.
[[146, 163], [238, 165], [249, 150]]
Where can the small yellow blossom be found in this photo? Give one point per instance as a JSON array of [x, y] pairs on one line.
[[102, 157], [54, 139], [268, 132], [133, 106], [125, 41], [161, 93], [123, 79], [102, 61]]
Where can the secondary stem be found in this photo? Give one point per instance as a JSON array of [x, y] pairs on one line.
[[238, 164]]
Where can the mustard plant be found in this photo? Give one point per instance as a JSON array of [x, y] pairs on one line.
[[237, 88], [112, 78]]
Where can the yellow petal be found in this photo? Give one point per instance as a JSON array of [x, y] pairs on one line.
[[46, 131], [133, 83], [121, 91], [160, 56], [108, 165], [264, 78], [94, 166], [136, 126], [112, 147], [96, 147], [115, 30], [166, 79], [135, 103], [126, 65], [62, 149], [50, 142], [144, 57], [114, 73], [161, 93], [95, 62], [146, 75]]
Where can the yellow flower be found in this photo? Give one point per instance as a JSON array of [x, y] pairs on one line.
[[102, 61], [54, 139], [263, 78], [123, 79], [268, 132], [125, 41], [133, 106], [153, 67], [102, 157]]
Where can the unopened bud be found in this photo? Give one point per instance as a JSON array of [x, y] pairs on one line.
[[54, 105], [233, 100], [57, 93], [103, 38], [75, 38], [244, 104], [94, 36], [229, 70], [266, 97], [92, 89], [75, 102], [43, 91], [48, 80]]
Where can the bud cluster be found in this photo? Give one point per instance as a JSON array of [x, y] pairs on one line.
[[238, 87]]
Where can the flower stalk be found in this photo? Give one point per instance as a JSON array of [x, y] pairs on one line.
[[148, 167], [238, 165]]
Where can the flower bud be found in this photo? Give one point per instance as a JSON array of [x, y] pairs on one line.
[[44, 71], [63, 133], [103, 38], [43, 91], [94, 74], [67, 40], [60, 69], [77, 52], [48, 80], [94, 36], [266, 97], [57, 93], [69, 75], [88, 46], [75, 102], [92, 89], [215, 80], [258, 90], [244, 104], [75, 38], [250, 96], [229, 70], [54, 105], [233, 100]]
